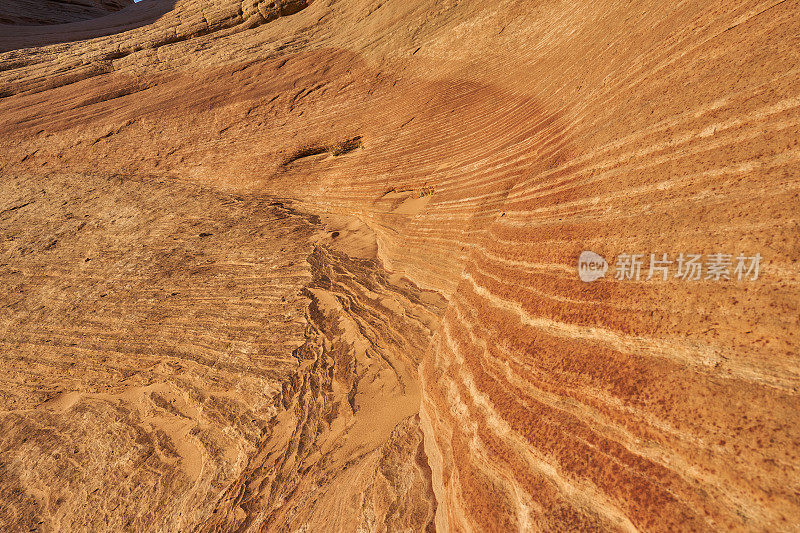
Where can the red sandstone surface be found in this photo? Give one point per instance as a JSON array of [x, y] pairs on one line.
[[312, 265]]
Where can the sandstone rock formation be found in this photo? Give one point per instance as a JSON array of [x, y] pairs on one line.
[[311, 266]]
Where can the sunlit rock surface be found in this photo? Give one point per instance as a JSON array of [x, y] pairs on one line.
[[312, 266]]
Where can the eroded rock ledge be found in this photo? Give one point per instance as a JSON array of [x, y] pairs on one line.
[[154, 380]]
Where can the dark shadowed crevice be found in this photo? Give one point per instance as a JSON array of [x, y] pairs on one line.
[[49, 12]]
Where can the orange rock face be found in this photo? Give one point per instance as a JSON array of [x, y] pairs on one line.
[[314, 266]]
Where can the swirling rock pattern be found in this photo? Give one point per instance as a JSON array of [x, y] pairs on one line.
[[312, 266]]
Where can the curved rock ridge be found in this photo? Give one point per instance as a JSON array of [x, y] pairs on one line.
[[313, 266]]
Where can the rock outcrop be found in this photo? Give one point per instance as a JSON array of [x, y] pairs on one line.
[[312, 266]]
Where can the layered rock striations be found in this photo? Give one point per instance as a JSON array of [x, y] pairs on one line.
[[313, 265]]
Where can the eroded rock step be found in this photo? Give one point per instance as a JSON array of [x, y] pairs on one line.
[[176, 356], [351, 412]]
